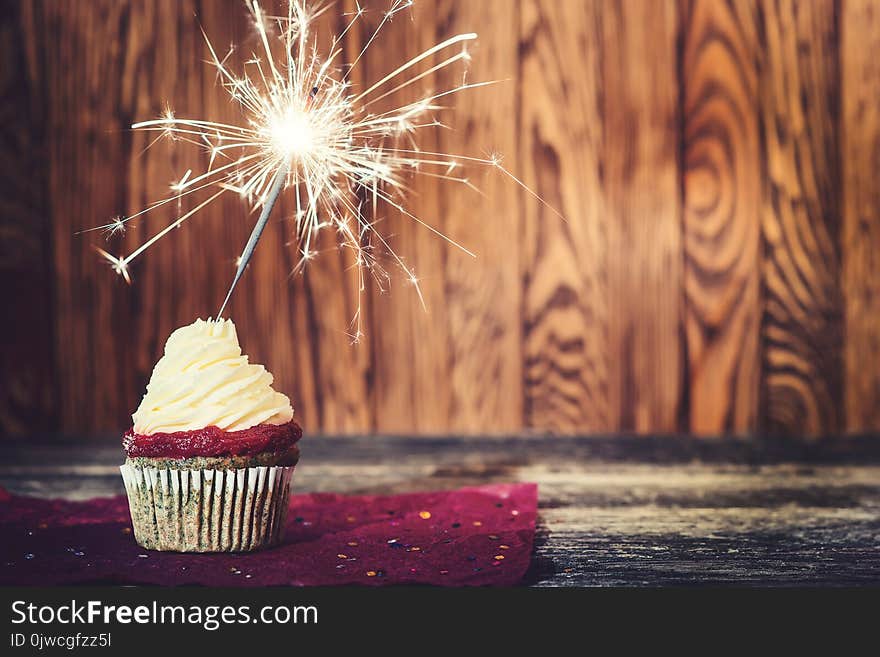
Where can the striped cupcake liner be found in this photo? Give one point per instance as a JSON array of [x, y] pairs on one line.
[[235, 510]]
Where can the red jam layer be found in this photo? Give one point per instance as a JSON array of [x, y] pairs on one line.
[[212, 441]]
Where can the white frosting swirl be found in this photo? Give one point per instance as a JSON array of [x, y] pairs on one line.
[[204, 380]]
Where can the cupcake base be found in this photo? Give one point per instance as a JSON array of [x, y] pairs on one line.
[[207, 510]]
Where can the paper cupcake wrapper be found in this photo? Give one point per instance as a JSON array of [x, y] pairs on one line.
[[235, 510]]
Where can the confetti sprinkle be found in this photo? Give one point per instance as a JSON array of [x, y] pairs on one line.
[[477, 523], [503, 547], [352, 544], [342, 556], [371, 573], [424, 515], [499, 557]]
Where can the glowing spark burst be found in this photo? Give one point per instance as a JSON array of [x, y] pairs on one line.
[[308, 133]]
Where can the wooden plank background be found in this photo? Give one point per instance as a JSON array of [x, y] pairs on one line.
[[718, 271]]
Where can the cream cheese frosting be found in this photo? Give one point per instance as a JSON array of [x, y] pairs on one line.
[[204, 380]]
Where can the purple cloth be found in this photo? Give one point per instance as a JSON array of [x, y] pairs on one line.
[[466, 537]]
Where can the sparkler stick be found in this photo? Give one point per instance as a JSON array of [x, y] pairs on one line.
[[245, 258]]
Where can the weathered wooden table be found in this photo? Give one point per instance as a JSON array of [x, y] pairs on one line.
[[612, 510]]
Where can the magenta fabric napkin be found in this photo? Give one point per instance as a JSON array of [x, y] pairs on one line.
[[467, 537]]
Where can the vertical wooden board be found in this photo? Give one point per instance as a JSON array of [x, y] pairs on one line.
[[643, 214], [860, 146], [565, 263], [802, 320], [722, 199], [86, 150], [27, 382], [456, 366]]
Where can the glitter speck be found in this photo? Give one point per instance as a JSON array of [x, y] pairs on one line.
[[499, 557], [392, 541], [143, 556], [350, 518], [514, 512], [424, 515], [414, 548], [248, 576], [444, 572], [352, 543], [503, 547], [126, 530], [29, 556], [342, 556], [494, 537], [371, 573], [477, 523], [30, 533]]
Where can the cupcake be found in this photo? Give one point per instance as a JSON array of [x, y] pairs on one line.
[[211, 452]]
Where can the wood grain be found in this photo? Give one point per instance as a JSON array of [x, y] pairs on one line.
[[566, 337], [28, 392], [643, 211], [716, 271], [453, 366], [85, 118], [802, 321], [860, 135], [722, 196]]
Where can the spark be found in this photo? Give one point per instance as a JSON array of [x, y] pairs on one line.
[[119, 265], [115, 227], [307, 133]]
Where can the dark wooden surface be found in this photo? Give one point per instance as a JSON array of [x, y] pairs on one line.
[[718, 272], [612, 511]]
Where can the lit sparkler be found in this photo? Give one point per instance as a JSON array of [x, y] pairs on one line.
[[307, 132]]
